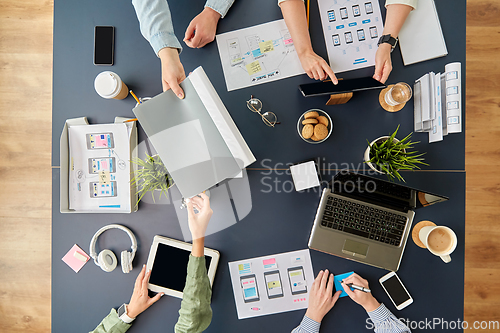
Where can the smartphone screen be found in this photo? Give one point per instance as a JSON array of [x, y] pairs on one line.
[[396, 291], [297, 280], [97, 165], [101, 190], [103, 45], [327, 88], [100, 141], [273, 284], [249, 287]]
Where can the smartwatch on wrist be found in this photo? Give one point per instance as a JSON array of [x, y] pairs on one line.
[[389, 40], [122, 314]]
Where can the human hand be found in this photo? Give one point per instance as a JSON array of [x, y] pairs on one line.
[[383, 63], [366, 300], [140, 300], [201, 29], [198, 222], [172, 72], [320, 297], [316, 67]]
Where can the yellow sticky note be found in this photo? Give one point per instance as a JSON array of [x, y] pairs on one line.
[[266, 46], [253, 67], [104, 177]]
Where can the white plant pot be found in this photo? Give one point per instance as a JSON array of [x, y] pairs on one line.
[[366, 156]]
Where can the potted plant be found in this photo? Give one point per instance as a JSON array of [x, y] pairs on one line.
[[151, 176], [389, 155]]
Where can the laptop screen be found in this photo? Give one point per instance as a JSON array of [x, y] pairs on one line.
[[381, 192]]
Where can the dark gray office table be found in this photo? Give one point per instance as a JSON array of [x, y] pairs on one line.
[[280, 219]]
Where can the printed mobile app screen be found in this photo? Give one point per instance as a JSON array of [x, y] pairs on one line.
[[273, 284], [98, 190], [297, 280], [249, 287], [102, 164], [100, 141]]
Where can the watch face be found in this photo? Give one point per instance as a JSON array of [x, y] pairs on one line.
[[121, 310]]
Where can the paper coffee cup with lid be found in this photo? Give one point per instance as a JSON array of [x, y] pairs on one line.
[[109, 85]]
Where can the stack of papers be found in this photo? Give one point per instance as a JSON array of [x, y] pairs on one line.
[[438, 102]]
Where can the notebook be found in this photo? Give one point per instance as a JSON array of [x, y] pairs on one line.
[[421, 37], [196, 138]]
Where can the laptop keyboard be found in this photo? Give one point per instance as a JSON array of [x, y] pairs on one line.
[[360, 220]]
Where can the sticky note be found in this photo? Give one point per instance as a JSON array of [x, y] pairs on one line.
[[253, 67], [104, 177], [266, 46], [270, 263], [338, 285], [76, 258], [304, 176]]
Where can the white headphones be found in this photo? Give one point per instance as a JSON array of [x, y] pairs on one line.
[[106, 258]]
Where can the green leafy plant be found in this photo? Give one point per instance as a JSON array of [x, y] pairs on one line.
[[151, 175], [391, 155]]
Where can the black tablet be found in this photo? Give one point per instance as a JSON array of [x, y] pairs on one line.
[[168, 260], [344, 86]]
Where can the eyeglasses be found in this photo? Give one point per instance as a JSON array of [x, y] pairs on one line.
[[255, 105]]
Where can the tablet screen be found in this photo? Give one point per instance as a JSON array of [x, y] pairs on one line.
[[170, 267]]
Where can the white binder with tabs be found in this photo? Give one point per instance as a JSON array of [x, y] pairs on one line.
[[421, 37]]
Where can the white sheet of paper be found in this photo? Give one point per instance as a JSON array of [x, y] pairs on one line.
[[436, 132], [258, 54], [304, 175], [352, 30], [270, 283], [454, 96], [80, 177]]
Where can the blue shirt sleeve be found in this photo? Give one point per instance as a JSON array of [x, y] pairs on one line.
[[220, 6], [385, 322], [156, 24], [307, 326]]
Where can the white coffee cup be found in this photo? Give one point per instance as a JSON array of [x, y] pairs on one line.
[[109, 85], [439, 240]]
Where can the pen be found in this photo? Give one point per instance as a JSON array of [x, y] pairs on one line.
[[353, 286], [126, 121], [135, 97]]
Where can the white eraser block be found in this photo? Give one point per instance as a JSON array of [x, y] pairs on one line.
[[304, 176], [79, 256]]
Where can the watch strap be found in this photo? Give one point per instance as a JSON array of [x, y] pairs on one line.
[[388, 39], [124, 316]]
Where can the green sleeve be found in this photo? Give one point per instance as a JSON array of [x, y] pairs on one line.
[[112, 324], [195, 314]]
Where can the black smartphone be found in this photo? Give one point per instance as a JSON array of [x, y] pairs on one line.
[[104, 44], [328, 88]]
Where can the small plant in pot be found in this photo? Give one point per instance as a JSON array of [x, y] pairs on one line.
[[389, 155], [151, 176]]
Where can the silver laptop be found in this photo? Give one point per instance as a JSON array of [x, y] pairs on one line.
[[367, 219]]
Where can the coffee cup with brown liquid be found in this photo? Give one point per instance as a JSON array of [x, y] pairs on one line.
[[439, 240]]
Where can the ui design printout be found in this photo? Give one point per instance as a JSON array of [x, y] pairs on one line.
[[99, 177], [352, 30], [258, 54], [272, 284]]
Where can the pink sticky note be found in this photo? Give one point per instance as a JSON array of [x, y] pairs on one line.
[[269, 261], [74, 261]]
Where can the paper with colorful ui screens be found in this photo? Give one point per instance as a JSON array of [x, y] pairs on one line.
[[351, 31], [272, 284]]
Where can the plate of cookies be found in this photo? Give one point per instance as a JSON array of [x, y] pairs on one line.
[[314, 126]]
